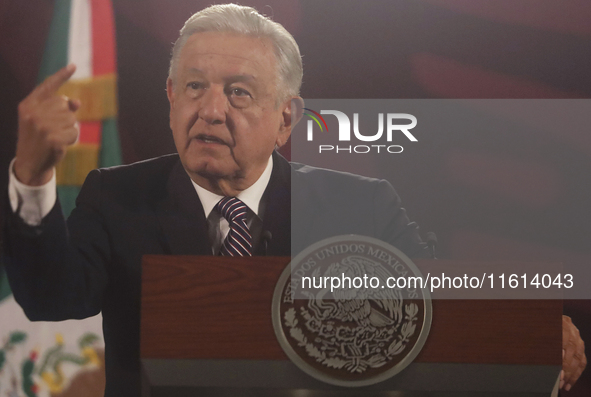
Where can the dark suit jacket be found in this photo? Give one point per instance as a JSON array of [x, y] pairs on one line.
[[92, 263]]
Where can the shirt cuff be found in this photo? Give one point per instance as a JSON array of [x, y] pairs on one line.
[[32, 203]]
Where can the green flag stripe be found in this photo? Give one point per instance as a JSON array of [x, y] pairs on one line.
[[55, 55], [67, 195], [110, 154]]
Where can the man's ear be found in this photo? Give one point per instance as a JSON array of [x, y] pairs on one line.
[[170, 92], [293, 110], [170, 95]]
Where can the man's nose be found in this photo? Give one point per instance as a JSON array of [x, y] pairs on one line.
[[214, 105]]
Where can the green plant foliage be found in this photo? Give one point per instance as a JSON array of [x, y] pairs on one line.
[[17, 337], [2, 359]]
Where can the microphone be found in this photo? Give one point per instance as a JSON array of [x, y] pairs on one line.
[[432, 243], [267, 236]]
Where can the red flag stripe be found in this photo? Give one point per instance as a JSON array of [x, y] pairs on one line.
[[103, 38]]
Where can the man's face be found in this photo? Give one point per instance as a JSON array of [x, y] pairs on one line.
[[224, 113]]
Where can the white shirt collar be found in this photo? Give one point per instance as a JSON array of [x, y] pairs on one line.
[[250, 196]]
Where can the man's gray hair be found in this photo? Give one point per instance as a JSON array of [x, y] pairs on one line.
[[247, 21]]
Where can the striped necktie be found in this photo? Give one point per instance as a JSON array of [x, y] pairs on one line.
[[238, 242]]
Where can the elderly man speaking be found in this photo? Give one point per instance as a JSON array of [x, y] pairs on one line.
[[233, 76]]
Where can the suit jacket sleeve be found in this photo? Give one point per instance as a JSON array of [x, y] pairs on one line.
[[328, 203], [392, 223], [57, 270]]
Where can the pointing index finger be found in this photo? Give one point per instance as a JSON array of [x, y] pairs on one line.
[[55, 81]]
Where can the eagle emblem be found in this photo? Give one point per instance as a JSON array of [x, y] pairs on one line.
[[352, 333]]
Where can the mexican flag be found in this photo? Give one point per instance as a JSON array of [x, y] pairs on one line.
[[67, 358], [83, 32]]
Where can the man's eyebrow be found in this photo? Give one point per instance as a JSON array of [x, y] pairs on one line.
[[231, 79]]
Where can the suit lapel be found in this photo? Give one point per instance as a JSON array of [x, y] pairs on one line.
[[277, 214], [181, 217]]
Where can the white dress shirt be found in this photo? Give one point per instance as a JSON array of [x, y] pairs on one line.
[[218, 226], [33, 203]]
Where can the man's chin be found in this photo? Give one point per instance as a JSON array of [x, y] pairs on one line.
[[212, 170]]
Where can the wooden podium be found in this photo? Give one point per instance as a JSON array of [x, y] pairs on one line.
[[206, 330]]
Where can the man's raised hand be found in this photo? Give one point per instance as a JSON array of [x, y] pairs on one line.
[[46, 126]]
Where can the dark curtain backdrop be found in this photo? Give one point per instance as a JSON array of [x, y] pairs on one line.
[[390, 49]]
